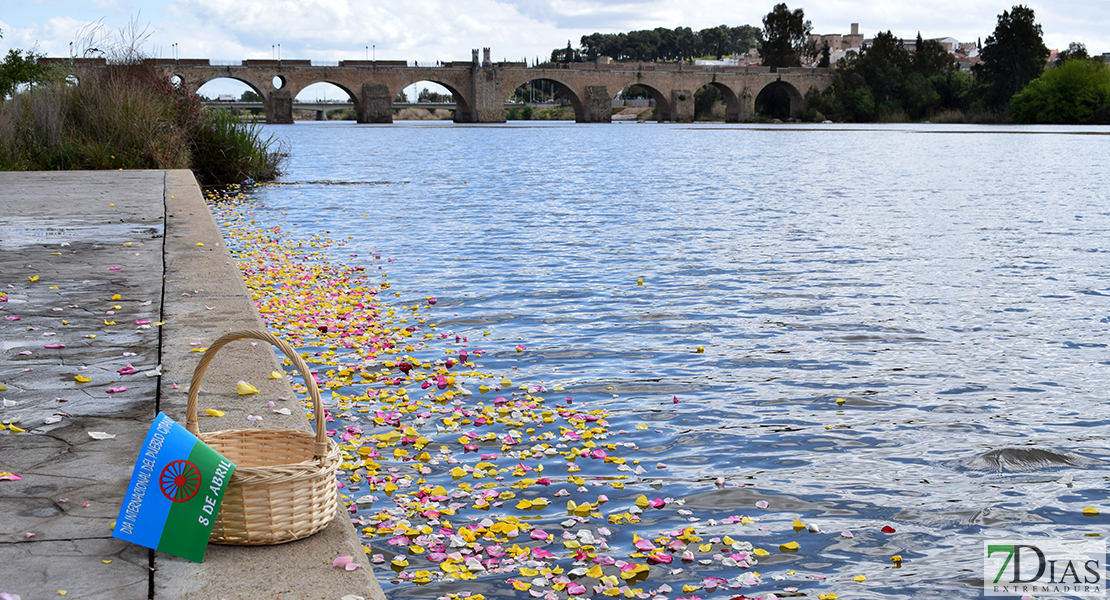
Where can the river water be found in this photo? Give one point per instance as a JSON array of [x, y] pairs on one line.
[[950, 283]]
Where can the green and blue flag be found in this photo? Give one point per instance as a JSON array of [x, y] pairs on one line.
[[175, 493]]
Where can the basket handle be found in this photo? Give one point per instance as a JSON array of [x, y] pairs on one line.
[[320, 448]]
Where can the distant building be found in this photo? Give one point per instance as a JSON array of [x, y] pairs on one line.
[[948, 43], [838, 42]]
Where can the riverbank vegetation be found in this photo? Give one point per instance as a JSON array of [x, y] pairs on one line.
[[127, 115]]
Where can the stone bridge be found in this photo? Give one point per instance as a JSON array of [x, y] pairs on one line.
[[481, 89]]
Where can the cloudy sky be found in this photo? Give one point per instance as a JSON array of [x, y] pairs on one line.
[[429, 30]]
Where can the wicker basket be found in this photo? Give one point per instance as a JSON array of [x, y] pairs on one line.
[[283, 488]]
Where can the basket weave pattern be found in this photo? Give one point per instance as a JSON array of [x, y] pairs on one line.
[[284, 487]]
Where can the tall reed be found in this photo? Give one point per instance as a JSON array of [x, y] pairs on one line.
[[129, 116]]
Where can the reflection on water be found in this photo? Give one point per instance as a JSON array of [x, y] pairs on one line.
[[951, 284]]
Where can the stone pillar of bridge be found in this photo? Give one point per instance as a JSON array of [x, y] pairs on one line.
[[281, 108], [376, 103], [487, 103], [597, 105], [746, 102], [682, 106], [321, 116]]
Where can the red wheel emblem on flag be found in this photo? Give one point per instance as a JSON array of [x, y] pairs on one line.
[[180, 481]]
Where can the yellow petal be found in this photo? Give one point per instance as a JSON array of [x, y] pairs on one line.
[[213, 412], [200, 244], [789, 547], [246, 389], [275, 375], [33, 277], [1090, 512], [116, 297], [859, 578], [82, 378]]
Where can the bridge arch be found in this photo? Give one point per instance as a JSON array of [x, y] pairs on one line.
[[462, 105], [732, 100], [562, 87], [194, 86], [663, 104], [295, 91], [779, 99]]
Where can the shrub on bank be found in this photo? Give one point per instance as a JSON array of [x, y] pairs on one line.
[[1076, 92], [129, 116]]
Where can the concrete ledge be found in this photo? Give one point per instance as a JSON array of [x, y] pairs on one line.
[[70, 242], [218, 302]]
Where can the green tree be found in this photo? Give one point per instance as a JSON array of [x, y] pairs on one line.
[[1075, 50], [930, 58], [884, 66], [955, 89], [20, 68], [685, 43], [1012, 56], [566, 55], [1077, 91], [785, 37], [714, 41], [826, 55], [744, 38]]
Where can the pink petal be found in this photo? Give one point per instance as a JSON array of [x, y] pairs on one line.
[[342, 561]]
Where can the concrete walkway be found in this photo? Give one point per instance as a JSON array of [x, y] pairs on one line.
[[70, 243]]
